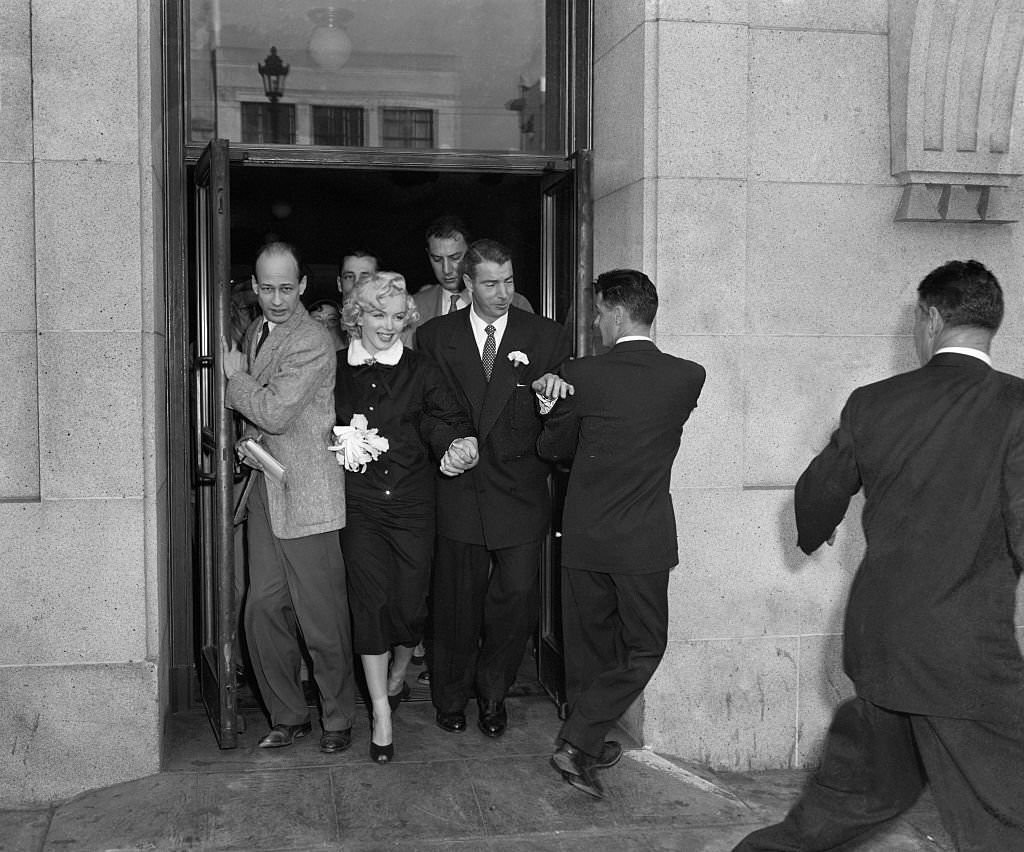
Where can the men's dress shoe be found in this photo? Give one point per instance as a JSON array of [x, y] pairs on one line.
[[424, 677], [285, 735], [399, 697], [587, 782], [331, 742], [454, 723], [578, 769], [493, 718], [611, 751]]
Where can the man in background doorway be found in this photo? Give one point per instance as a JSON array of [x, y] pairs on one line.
[[447, 242], [356, 265], [623, 426], [282, 382]]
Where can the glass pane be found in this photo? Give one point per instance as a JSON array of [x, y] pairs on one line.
[[472, 75]]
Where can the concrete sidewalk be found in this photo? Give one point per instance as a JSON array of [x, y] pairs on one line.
[[444, 791]]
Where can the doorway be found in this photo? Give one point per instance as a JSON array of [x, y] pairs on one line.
[[326, 212]]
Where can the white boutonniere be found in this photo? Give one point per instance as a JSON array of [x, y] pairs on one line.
[[356, 446], [519, 363]]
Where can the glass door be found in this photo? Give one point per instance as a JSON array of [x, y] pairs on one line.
[[213, 465], [566, 274]]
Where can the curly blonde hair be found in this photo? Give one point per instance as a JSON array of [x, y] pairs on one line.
[[371, 293]]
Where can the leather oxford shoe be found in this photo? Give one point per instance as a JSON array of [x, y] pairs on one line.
[[285, 735], [331, 742], [454, 723], [493, 718], [611, 751], [578, 769]]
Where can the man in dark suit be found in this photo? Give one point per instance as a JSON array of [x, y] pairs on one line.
[[447, 242], [623, 425], [499, 511], [929, 635]]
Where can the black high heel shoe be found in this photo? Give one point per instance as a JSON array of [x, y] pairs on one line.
[[400, 696], [382, 754]]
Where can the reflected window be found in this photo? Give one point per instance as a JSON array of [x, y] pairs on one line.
[[407, 128], [268, 124], [427, 74], [339, 125]]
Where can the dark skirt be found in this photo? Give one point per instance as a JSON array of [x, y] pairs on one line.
[[388, 550]]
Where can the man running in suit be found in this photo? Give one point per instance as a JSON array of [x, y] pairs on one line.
[[623, 426], [499, 511], [929, 635], [282, 383], [447, 242]]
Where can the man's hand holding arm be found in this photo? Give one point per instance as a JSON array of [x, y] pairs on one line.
[[549, 389]]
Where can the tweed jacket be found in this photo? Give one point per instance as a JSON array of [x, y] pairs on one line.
[[939, 452], [623, 426], [287, 395], [504, 500]]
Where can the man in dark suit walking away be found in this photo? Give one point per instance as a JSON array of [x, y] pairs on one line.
[[499, 510], [929, 635], [623, 424]]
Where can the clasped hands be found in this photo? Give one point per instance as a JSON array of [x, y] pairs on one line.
[[461, 455]]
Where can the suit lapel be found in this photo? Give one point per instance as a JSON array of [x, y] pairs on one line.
[[465, 363]]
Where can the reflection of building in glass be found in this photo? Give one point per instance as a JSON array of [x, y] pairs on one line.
[[530, 106], [376, 100]]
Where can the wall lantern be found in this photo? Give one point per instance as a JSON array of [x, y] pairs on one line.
[[329, 44], [273, 71]]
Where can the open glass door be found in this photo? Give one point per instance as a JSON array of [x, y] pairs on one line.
[[213, 447], [566, 276]]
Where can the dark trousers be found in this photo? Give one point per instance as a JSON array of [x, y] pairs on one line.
[[297, 586], [875, 765], [615, 630], [482, 619]]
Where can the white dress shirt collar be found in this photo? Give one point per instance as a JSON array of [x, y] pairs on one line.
[[479, 325], [966, 350], [629, 337], [359, 354]]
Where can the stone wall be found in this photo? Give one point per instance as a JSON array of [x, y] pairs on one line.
[[81, 347], [742, 159]]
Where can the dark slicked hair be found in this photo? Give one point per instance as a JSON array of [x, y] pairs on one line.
[[277, 248], [446, 228], [357, 252], [484, 250], [965, 293], [631, 289]]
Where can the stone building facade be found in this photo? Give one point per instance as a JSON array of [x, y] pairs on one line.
[[785, 171]]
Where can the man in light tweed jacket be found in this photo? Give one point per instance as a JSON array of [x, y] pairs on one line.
[[282, 383]]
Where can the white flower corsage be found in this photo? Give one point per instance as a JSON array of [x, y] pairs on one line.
[[518, 359], [356, 446]]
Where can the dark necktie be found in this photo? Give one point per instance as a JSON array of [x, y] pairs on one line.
[[490, 350], [264, 333], [454, 304]]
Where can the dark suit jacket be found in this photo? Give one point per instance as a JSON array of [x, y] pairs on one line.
[[504, 500], [624, 425], [940, 454]]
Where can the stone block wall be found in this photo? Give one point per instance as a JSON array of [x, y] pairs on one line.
[[81, 346], [742, 159]]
